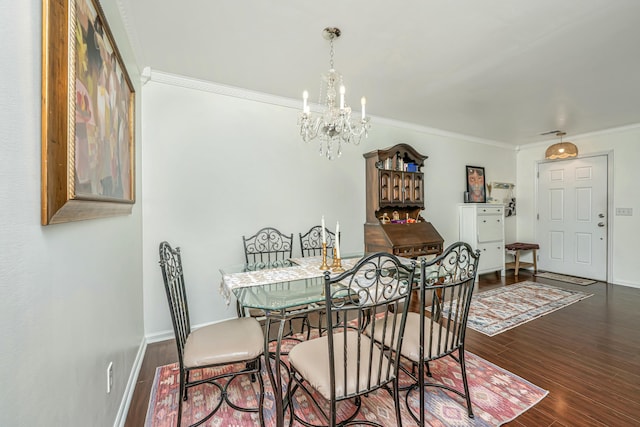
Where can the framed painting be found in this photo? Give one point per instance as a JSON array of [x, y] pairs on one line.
[[475, 185], [87, 116]]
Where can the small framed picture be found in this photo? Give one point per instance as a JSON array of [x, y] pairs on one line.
[[476, 189]]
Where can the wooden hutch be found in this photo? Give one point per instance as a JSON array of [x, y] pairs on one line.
[[394, 185]]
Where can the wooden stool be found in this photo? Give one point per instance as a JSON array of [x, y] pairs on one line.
[[517, 265]]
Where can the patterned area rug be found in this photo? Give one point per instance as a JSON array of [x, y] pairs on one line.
[[498, 396], [501, 309], [565, 278]]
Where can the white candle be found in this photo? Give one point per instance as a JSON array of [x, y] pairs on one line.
[[338, 239], [363, 102], [324, 236], [342, 97], [305, 96]]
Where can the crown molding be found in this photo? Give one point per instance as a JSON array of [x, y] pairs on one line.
[[130, 30], [443, 133], [149, 74], [601, 132], [237, 92], [220, 89]]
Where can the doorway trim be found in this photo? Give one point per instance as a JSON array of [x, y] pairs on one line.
[[610, 204]]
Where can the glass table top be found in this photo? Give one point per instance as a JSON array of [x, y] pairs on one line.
[[284, 284], [281, 284]]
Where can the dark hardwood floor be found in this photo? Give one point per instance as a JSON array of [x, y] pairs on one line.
[[587, 355]]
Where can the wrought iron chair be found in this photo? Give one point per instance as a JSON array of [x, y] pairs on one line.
[[346, 363], [233, 343], [311, 245], [311, 241], [445, 291], [269, 247]]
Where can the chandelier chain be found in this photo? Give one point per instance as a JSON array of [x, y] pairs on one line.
[[331, 67]]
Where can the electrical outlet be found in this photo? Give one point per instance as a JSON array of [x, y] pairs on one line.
[[109, 377], [624, 211]]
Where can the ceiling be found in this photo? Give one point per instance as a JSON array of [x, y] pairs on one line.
[[499, 70]]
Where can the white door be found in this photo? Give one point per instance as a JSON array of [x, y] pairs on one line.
[[572, 217]]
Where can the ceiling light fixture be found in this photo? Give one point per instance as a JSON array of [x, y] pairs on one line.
[[333, 124], [561, 150]]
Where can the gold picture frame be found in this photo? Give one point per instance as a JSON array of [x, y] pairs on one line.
[[88, 118]]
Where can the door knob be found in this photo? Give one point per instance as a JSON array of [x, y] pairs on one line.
[[601, 224], [601, 215]]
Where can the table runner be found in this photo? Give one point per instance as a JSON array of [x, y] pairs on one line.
[[305, 268]]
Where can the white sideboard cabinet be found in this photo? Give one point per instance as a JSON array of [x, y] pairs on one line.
[[482, 226]]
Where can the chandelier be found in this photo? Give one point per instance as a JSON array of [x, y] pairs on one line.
[[333, 125]]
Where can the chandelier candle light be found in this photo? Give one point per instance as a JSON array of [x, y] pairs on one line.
[[334, 124]]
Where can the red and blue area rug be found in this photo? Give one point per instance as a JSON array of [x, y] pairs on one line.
[[498, 396], [497, 310]]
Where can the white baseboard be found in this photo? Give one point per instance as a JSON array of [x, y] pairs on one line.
[[160, 336], [169, 334], [121, 417], [628, 284]]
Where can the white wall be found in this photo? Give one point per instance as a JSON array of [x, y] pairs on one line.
[[623, 144], [70, 294], [217, 167]]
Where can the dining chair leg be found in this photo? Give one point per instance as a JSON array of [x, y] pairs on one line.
[[185, 394], [181, 397], [396, 398], [261, 383], [421, 389], [465, 383]]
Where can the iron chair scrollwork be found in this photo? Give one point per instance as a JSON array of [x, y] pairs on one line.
[[445, 291], [347, 363], [311, 245], [268, 248], [233, 343], [311, 242]]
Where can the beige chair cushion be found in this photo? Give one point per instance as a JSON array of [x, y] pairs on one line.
[[411, 341], [311, 360], [229, 341]]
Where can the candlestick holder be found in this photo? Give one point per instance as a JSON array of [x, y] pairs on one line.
[[335, 259], [337, 263], [324, 265]]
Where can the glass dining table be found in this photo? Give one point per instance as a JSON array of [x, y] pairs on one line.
[[283, 290]]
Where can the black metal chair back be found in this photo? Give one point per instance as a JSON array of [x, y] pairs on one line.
[[267, 245], [446, 289], [270, 248], [173, 276], [372, 300], [311, 242]]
